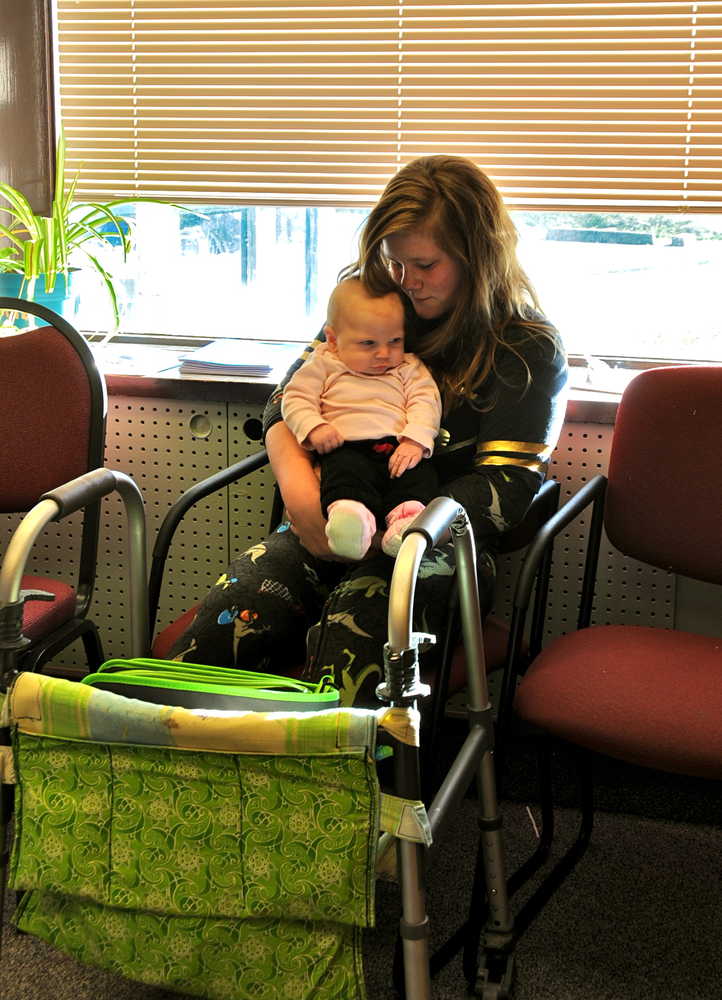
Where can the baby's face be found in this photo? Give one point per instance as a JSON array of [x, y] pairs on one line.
[[373, 342]]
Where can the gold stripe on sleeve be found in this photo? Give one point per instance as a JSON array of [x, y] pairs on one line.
[[525, 463], [539, 449]]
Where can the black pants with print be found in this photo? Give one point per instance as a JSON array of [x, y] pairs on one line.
[[279, 606], [359, 470]]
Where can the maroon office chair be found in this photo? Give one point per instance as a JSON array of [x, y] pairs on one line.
[[52, 425], [648, 696]]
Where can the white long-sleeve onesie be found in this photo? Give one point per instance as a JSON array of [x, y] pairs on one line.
[[402, 402]]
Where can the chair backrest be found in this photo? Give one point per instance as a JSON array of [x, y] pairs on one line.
[[52, 422], [52, 418], [664, 492]]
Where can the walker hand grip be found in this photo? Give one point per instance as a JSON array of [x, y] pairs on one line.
[[435, 520], [78, 493]]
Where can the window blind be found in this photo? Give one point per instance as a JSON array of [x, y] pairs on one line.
[[609, 106]]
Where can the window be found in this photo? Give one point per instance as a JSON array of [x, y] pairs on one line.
[[615, 286], [234, 271], [279, 123], [620, 286]]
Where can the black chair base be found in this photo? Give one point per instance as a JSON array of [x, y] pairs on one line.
[[43, 650]]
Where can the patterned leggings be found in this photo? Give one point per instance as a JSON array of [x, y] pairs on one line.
[[278, 607]]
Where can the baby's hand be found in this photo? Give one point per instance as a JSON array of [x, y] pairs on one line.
[[325, 438], [407, 455]]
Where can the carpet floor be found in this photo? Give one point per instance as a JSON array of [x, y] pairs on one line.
[[639, 919]]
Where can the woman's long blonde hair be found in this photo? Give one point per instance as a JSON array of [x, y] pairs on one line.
[[457, 204]]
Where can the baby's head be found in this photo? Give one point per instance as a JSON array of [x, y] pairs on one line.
[[366, 332]]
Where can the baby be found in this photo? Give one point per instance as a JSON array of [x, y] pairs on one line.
[[371, 412]]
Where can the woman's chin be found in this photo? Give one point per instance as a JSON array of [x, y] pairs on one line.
[[427, 309]]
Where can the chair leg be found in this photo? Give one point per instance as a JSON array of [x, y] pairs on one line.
[[574, 853], [93, 646], [521, 876], [83, 629], [546, 804]]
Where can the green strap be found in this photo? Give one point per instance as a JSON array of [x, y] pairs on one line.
[[7, 766], [173, 670], [405, 818]]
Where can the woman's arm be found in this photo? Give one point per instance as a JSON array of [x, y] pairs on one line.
[[297, 480], [294, 470], [495, 470]]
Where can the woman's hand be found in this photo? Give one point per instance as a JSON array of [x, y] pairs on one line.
[[297, 480]]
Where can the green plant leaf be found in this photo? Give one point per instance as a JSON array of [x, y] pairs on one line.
[[46, 246], [60, 237], [20, 209], [32, 255], [13, 237], [108, 279], [101, 215], [60, 199]]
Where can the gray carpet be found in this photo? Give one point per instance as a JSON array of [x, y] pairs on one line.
[[640, 918]]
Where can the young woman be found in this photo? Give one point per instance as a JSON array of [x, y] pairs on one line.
[[441, 234]]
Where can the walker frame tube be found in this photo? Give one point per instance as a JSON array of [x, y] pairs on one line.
[[442, 516]]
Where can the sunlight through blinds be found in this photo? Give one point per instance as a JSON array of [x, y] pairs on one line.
[[613, 106]]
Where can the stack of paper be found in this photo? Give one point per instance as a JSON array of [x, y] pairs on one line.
[[241, 357]]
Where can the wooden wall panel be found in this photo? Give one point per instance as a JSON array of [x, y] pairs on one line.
[[27, 103]]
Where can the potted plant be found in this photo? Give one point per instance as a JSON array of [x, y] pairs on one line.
[[43, 251]]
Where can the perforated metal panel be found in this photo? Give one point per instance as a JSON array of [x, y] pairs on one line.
[[57, 550], [250, 501], [166, 446], [629, 592]]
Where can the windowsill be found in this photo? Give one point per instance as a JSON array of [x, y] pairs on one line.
[[154, 371]]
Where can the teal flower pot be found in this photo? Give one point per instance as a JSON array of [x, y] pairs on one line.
[[63, 299]]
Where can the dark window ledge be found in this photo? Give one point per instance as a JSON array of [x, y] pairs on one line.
[[583, 406], [151, 371]]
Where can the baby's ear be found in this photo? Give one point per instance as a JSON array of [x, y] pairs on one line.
[[331, 338]]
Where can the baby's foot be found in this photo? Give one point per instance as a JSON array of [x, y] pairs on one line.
[[397, 521], [349, 529]]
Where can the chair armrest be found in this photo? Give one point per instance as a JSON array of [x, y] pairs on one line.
[[591, 493], [62, 501], [191, 496], [538, 560], [541, 509]]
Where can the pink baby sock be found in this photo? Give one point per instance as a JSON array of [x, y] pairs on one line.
[[397, 521], [350, 528]]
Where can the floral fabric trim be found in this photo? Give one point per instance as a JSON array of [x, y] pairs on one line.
[[40, 704]]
